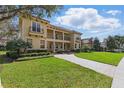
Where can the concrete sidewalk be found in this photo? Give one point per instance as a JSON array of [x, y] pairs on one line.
[[118, 79], [96, 66], [0, 84]]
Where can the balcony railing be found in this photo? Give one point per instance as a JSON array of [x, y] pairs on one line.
[[59, 37], [50, 36], [78, 38], [67, 38]]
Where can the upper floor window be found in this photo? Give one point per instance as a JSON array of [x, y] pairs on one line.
[[36, 27]]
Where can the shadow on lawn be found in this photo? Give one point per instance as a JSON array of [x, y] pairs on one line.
[[5, 60]]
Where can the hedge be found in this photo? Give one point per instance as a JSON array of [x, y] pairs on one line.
[[12, 54], [34, 54]]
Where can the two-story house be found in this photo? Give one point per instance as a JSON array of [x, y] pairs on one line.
[[43, 35], [87, 42]]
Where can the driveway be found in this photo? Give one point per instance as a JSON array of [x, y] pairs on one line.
[[102, 68]]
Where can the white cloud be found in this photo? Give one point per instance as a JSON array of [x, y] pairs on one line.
[[113, 12], [95, 31], [88, 19]]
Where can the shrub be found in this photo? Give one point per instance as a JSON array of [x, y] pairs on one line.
[[34, 54], [12, 54], [86, 49], [2, 48], [36, 51], [60, 52], [15, 45], [77, 50]]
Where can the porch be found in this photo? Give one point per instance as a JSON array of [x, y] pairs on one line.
[[58, 46]]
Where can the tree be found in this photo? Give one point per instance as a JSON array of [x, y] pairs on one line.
[[96, 44], [119, 41], [16, 45], [111, 44], [7, 29], [86, 49], [7, 11]]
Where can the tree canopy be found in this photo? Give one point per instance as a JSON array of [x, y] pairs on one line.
[[115, 42], [9, 11], [96, 44], [111, 45]]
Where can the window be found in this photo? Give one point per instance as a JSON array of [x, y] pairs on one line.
[[36, 27], [29, 41], [42, 44]]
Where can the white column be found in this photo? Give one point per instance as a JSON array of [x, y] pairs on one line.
[[54, 45], [63, 42], [63, 35], [45, 33], [74, 42], [80, 44], [45, 44], [63, 46]]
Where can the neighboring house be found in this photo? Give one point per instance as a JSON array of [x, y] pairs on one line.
[[88, 42], [43, 35], [103, 45]]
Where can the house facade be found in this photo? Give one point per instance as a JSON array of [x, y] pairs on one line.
[[88, 42], [43, 35]]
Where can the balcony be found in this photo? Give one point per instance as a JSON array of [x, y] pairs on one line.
[[59, 37], [50, 35], [78, 39], [67, 38]]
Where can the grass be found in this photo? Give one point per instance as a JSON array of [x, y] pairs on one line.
[[2, 52], [1, 58], [103, 57], [51, 73]]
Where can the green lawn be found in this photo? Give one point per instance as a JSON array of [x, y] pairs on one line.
[[103, 57], [2, 52], [51, 72], [1, 58]]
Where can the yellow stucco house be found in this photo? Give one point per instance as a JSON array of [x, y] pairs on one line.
[[43, 35]]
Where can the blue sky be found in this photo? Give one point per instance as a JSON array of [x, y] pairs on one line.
[[92, 20]]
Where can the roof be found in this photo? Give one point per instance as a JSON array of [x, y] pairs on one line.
[[87, 38], [22, 14], [58, 27], [62, 28]]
